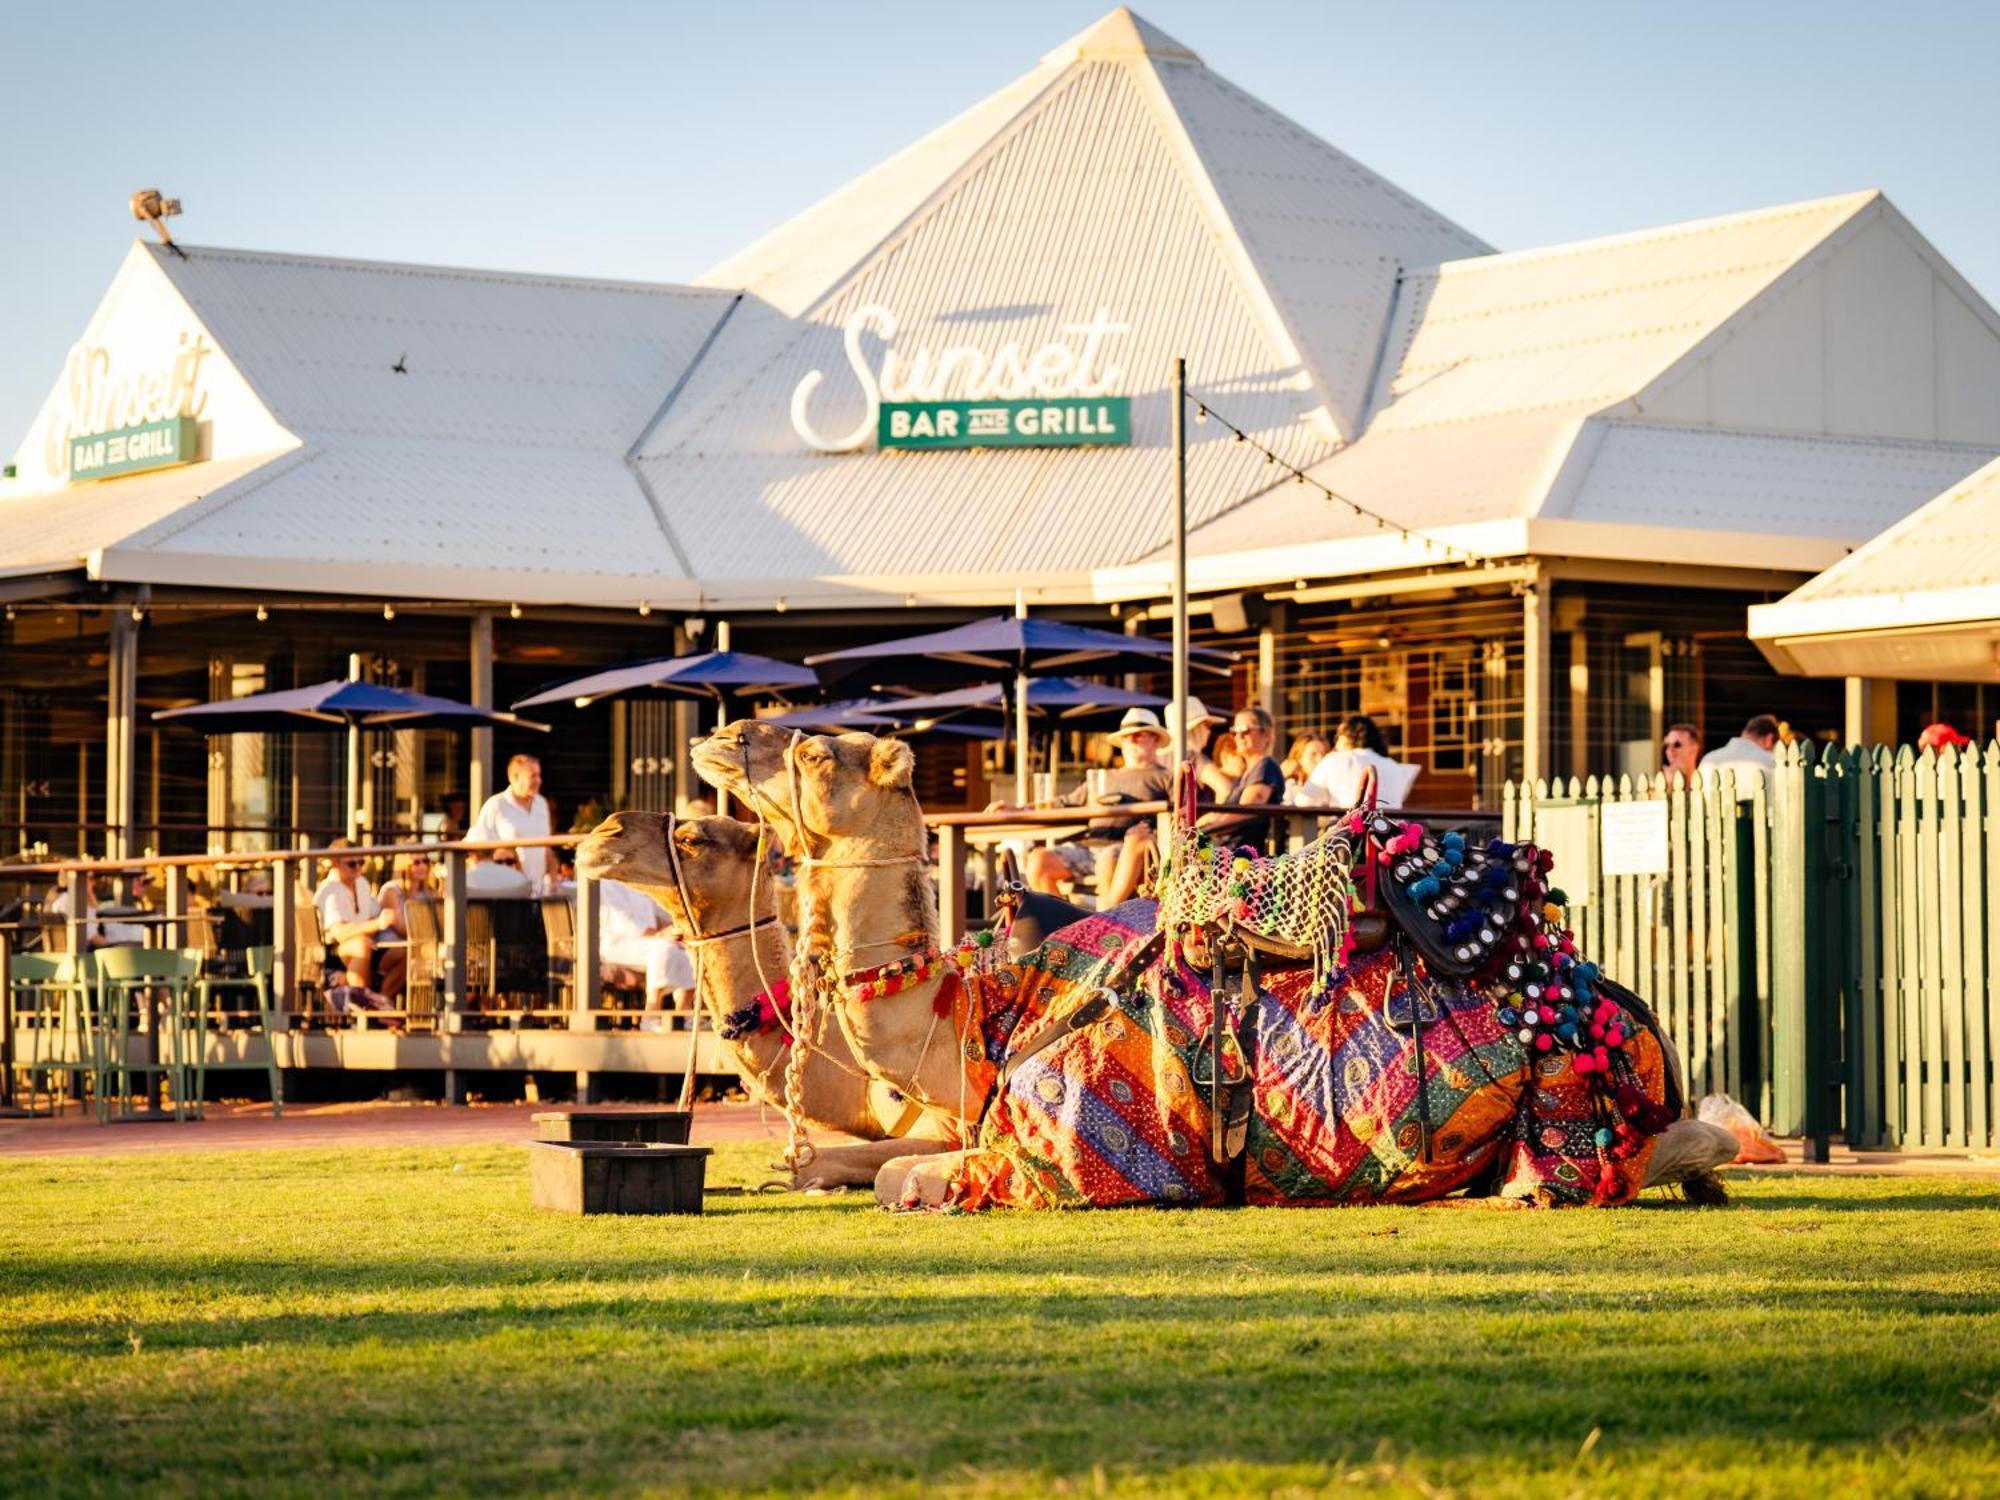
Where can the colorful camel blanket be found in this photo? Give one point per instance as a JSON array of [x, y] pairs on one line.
[[1349, 1102]]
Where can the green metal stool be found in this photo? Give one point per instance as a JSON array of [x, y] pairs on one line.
[[258, 982], [125, 978], [46, 993]]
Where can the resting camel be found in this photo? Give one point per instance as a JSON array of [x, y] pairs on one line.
[[1518, 1118], [706, 882]]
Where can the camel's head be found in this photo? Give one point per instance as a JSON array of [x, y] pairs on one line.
[[717, 859], [851, 786], [746, 759], [855, 786]]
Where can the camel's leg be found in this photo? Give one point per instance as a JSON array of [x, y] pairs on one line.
[[915, 1181], [856, 1166]]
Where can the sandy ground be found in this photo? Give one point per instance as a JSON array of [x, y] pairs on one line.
[[249, 1127]]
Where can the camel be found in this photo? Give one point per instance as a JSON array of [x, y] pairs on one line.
[[707, 884], [844, 804], [844, 808]]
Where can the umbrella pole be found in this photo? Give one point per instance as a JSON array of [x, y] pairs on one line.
[[1021, 713], [354, 758], [1176, 719]]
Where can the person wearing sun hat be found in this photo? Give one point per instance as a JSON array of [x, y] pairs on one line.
[[1114, 849], [1201, 726]]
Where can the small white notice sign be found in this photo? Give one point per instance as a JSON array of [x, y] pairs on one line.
[[1568, 830], [1635, 838]]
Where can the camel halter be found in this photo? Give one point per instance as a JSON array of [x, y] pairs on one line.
[[698, 938]]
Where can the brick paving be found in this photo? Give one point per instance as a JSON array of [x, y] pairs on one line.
[[250, 1127]]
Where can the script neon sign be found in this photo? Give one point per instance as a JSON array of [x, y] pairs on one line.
[[95, 398], [964, 372]]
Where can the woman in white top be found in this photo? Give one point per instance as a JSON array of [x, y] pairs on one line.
[[1341, 777], [412, 877], [635, 932], [353, 923], [96, 933]]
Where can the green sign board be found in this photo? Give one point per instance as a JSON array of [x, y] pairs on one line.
[[1060, 422], [132, 450]]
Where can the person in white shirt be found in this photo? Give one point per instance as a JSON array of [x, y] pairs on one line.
[[499, 874], [1755, 746], [353, 922], [1341, 777], [520, 812], [1753, 749], [96, 932], [635, 932]]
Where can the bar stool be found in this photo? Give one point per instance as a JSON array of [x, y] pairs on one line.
[[257, 980], [52, 1001], [126, 977]]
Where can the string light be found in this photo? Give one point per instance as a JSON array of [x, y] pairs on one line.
[[1360, 511], [779, 605], [513, 611], [645, 608], [388, 611], [263, 614], [138, 613]]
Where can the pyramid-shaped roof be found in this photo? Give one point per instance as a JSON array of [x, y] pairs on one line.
[[1312, 240]]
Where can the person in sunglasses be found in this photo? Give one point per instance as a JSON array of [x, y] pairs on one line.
[[353, 922]]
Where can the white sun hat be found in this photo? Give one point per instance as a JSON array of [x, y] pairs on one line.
[[1138, 721]]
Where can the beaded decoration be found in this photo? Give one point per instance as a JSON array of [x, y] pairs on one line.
[[1499, 921]]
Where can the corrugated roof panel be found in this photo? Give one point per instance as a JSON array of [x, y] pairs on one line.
[[1326, 235], [1842, 489], [496, 357], [1581, 327], [448, 504], [1953, 542], [1474, 472], [61, 528], [1034, 241]]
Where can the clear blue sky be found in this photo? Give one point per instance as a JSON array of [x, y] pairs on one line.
[[649, 140]]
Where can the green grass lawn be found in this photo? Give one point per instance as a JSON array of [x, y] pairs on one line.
[[404, 1322]]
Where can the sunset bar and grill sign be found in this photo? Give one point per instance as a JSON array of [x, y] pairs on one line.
[[1064, 423], [132, 450]]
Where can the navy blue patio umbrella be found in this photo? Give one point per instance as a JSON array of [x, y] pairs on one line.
[[1004, 648], [339, 704], [711, 675], [342, 704]]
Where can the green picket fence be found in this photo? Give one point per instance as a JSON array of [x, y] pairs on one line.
[[1823, 943], [1675, 905]]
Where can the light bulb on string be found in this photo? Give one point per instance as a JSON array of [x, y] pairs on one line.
[[138, 613], [263, 614], [388, 611], [779, 604], [1200, 413], [645, 608], [513, 611]]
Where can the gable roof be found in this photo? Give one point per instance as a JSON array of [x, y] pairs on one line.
[[1542, 400], [1312, 240], [1920, 600]]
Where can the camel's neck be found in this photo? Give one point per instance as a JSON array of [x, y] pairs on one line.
[[731, 979], [861, 917]]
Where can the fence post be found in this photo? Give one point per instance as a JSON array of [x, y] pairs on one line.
[[1824, 936], [951, 882], [1788, 926]]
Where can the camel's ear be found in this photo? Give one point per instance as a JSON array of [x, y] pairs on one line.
[[891, 764]]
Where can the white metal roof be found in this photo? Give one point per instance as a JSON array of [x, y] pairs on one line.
[[1921, 599], [1761, 389]]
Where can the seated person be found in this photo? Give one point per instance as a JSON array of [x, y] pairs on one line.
[[1201, 738], [1341, 778], [634, 932], [1116, 850], [96, 932], [354, 924], [412, 877], [1308, 750], [1258, 784], [497, 874]]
